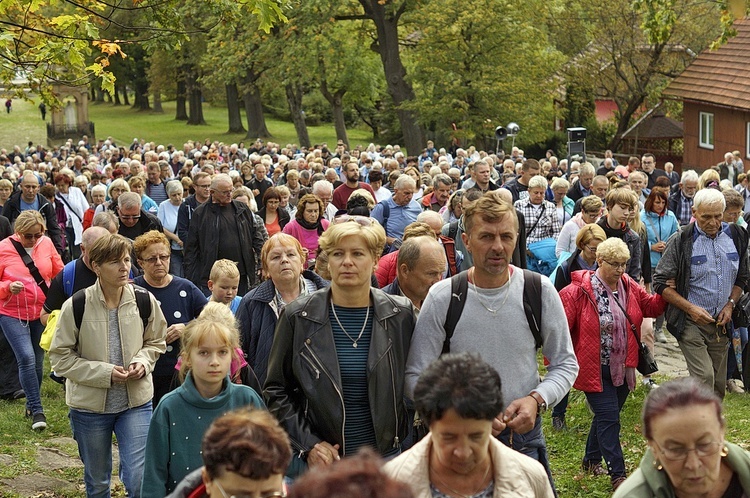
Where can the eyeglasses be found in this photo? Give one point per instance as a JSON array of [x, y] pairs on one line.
[[591, 249], [681, 453], [617, 266], [129, 217], [362, 220], [33, 236], [273, 494], [153, 260]]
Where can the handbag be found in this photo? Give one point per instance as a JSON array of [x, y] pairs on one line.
[[741, 313], [646, 363]]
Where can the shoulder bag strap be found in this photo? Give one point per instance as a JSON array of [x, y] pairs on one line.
[[632, 326], [58, 196], [31, 266]]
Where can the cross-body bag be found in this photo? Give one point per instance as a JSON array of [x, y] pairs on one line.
[[31, 266], [646, 362]]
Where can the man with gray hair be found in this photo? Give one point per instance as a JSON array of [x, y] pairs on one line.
[[421, 263], [222, 228], [323, 189], [707, 261], [398, 211], [582, 188], [681, 201], [441, 192], [134, 221]]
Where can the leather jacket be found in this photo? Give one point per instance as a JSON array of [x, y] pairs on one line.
[[303, 388]]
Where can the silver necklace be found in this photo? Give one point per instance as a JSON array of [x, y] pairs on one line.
[[488, 308], [364, 326]]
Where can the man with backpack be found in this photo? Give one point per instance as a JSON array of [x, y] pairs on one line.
[[506, 314]]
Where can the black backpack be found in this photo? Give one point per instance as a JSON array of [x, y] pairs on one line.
[[142, 300], [532, 305]]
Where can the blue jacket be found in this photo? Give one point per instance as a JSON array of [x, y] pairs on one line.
[[257, 319], [658, 228]]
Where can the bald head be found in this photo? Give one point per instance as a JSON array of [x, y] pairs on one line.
[[91, 235], [433, 219]]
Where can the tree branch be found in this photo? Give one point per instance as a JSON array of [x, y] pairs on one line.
[[353, 17]]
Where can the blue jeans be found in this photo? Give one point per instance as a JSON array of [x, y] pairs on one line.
[[561, 408], [531, 444], [604, 435], [23, 338], [175, 263], [93, 433], [731, 360]]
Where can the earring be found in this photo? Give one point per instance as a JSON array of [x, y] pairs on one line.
[[657, 465], [724, 451]]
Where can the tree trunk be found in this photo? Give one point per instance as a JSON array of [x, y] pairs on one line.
[[386, 24], [370, 121], [181, 109], [233, 109], [294, 99], [256, 121], [99, 94], [195, 98], [157, 103], [117, 97], [125, 98], [337, 107], [623, 121]]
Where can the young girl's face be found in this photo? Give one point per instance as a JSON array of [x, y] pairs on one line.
[[209, 363]]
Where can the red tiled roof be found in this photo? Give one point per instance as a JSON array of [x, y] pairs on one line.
[[718, 76]]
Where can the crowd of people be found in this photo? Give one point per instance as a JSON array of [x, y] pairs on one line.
[[376, 304]]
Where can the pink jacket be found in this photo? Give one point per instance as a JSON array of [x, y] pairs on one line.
[[27, 304]]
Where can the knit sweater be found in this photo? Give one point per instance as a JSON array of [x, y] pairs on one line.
[[173, 448], [503, 340]]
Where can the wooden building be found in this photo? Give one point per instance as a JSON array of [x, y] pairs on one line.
[[715, 92]]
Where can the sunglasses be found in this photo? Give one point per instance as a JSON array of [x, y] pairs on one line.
[[32, 236]]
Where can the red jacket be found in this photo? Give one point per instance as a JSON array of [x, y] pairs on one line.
[[579, 302]]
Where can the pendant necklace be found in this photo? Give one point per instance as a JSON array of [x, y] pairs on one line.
[[364, 326], [489, 308]]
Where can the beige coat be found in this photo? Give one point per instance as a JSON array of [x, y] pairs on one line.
[[515, 474], [82, 356]]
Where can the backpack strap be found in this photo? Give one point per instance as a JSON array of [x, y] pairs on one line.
[[453, 230], [142, 300], [79, 306], [69, 277], [532, 304], [459, 293]]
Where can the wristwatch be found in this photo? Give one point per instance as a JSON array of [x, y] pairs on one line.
[[541, 405], [734, 303]]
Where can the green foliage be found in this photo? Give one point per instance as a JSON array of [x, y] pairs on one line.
[[482, 71]]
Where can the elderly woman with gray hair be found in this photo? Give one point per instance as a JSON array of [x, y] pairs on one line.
[[167, 214], [605, 308]]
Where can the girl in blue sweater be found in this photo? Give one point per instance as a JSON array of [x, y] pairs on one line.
[[173, 448]]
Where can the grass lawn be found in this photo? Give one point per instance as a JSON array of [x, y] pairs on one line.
[[565, 448], [122, 123]]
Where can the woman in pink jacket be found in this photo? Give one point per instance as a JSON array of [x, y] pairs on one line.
[[22, 293]]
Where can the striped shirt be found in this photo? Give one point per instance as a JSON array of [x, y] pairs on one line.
[[713, 270], [359, 430]]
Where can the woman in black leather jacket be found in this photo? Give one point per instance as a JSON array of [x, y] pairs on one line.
[[336, 368]]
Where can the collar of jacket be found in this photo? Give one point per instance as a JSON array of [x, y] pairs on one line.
[[316, 308]]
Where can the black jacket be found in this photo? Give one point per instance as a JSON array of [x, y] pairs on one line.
[[202, 249], [283, 216], [303, 388], [12, 209], [184, 215]]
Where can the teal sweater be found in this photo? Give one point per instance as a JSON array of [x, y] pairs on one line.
[[173, 448], [647, 482]]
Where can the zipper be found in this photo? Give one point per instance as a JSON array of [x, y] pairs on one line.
[[312, 364], [338, 391], [389, 352]]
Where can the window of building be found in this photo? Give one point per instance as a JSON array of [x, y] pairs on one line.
[[706, 130]]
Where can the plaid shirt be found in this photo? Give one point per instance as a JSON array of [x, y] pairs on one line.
[[549, 223], [686, 210]]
